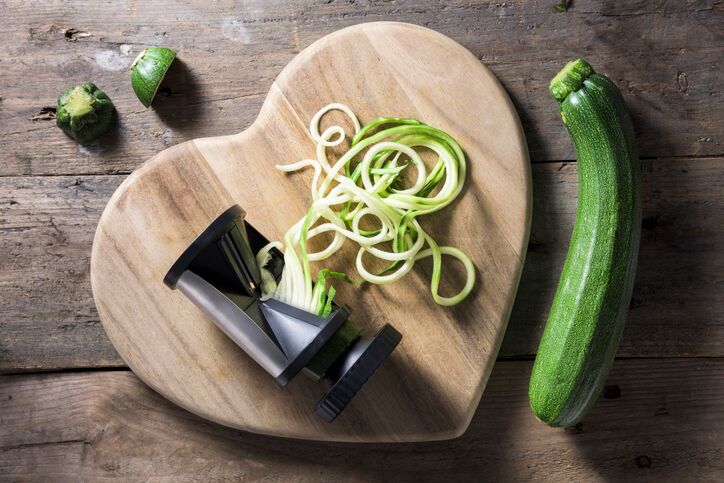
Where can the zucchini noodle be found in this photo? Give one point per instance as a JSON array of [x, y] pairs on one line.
[[366, 182]]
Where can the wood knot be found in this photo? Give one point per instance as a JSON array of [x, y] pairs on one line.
[[577, 429], [683, 81], [73, 34], [46, 113], [650, 222], [612, 391]]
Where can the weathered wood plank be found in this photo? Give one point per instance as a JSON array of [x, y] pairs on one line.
[[677, 307], [660, 419], [666, 58], [48, 317], [49, 321]]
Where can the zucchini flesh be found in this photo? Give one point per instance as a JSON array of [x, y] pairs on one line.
[[591, 303]]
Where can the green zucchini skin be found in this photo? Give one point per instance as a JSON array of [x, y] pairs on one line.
[[591, 303]]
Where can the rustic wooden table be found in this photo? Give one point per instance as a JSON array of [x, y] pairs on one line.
[[70, 410]]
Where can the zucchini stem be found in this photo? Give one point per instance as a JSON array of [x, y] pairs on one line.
[[570, 78]]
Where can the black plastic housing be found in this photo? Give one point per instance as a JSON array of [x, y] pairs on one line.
[[219, 274]]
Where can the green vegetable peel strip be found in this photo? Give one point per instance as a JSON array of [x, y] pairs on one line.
[[370, 187]]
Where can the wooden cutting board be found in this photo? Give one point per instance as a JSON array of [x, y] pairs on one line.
[[432, 383]]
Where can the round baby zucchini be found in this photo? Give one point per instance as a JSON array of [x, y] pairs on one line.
[[590, 306]]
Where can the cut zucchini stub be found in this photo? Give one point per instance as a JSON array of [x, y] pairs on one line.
[[148, 71], [84, 112]]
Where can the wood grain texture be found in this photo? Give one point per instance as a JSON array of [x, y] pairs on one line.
[[659, 420], [50, 322], [666, 57], [440, 368]]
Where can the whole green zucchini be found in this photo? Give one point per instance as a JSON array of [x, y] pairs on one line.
[[590, 306]]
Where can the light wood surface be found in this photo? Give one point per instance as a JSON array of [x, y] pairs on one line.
[[430, 387]]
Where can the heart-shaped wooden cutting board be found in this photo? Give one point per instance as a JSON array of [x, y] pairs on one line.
[[431, 385]]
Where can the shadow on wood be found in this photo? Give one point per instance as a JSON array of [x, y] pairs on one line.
[[666, 424], [179, 99]]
